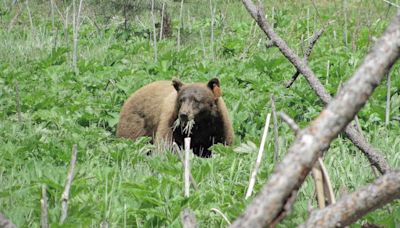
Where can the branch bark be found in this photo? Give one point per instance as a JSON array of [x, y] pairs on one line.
[[372, 154], [355, 205], [316, 138]]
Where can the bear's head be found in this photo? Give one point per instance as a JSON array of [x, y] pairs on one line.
[[197, 102]]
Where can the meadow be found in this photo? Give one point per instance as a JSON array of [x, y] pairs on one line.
[[47, 106]]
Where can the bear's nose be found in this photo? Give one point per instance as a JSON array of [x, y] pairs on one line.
[[183, 117]]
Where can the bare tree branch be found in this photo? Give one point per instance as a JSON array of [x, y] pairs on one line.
[[373, 156], [316, 138], [6, 223], [290, 122], [355, 205], [307, 54]]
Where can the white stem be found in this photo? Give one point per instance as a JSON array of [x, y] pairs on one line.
[[187, 166], [259, 156]]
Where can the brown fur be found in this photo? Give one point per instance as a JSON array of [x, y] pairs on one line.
[[153, 109]]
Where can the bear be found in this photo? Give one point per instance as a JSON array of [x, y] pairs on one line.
[[171, 111]]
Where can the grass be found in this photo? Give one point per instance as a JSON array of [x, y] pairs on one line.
[[115, 180]]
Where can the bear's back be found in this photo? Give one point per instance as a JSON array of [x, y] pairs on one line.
[[141, 113]]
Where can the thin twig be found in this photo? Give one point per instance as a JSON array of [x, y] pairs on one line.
[[307, 52], [30, 16], [187, 166], [222, 215], [259, 156], [391, 3], [319, 186], [68, 183], [276, 133], [45, 215], [327, 182], [290, 122]]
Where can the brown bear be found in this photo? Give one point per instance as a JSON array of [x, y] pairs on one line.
[[170, 111]]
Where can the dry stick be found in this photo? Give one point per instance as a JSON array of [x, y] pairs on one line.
[[188, 219], [222, 215], [355, 205], [53, 28], [187, 166], [68, 182], [276, 133], [290, 122], [212, 10], [180, 26], [15, 19], [178, 151], [310, 143], [45, 215], [387, 114], [374, 157], [391, 3], [6, 223], [162, 20], [307, 54], [30, 15], [75, 34], [253, 176], [327, 183], [319, 186], [18, 102], [154, 31]]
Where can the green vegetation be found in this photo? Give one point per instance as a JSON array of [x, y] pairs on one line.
[[115, 180]]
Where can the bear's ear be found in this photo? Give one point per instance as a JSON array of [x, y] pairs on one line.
[[213, 84], [177, 84]]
